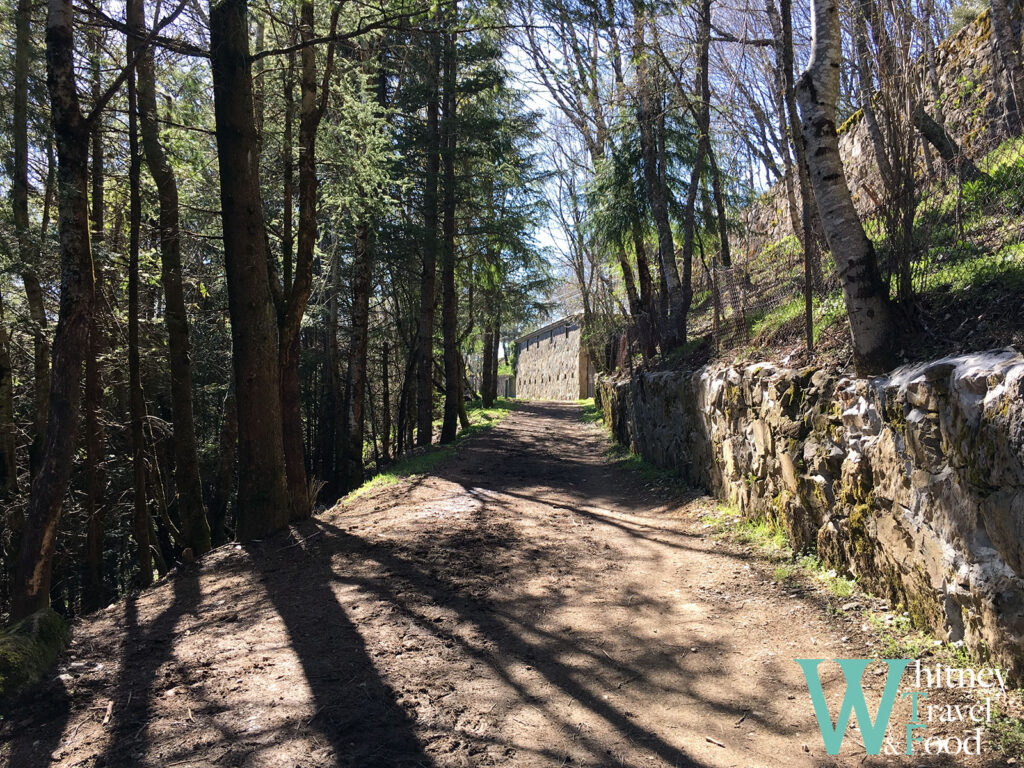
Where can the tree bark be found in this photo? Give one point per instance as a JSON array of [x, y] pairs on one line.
[[95, 439], [28, 254], [195, 529], [8, 457], [385, 447], [867, 304], [290, 319], [351, 458], [487, 375], [71, 131], [425, 333], [449, 309], [142, 522], [263, 504], [945, 145]]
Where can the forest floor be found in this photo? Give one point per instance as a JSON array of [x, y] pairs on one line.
[[531, 602]]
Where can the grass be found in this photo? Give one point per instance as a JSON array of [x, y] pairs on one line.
[[590, 414], [763, 534], [632, 462], [480, 420], [897, 637], [1007, 729]]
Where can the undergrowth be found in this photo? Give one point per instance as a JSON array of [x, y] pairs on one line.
[[420, 463], [590, 413]]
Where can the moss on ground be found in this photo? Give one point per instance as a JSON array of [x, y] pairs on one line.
[[28, 649]]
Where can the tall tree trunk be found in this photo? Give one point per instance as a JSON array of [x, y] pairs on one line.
[[195, 529], [425, 334], [142, 523], [290, 320], [329, 416], [406, 403], [71, 131], [487, 375], [492, 363], [27, 254], [703, 143], [95, 439], [385, 357], [8, 458], [867, 304], [657, 198], [288, 176], [351, 458], [449, 309], [290, 315], [782, 28], [263, 504]]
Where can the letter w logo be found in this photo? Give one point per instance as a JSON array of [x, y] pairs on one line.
[[853, 701]]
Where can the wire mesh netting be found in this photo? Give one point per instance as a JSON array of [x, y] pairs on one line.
[[950, 247]]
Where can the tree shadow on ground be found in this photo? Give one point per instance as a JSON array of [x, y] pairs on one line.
[[145, 651], [509, 639], [356, 711], [33, 749]]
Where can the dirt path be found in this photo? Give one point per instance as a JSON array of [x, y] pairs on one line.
[[530, 604]]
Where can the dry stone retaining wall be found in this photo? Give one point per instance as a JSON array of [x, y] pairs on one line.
[[914, 481]]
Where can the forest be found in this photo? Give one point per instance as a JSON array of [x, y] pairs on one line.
[[254, 252]]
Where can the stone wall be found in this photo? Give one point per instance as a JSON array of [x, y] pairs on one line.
[[913, 482], [550, 364]]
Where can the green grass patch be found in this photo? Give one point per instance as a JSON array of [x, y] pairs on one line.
[[838, 585], [632, 462], [590, 414], [480, 420], [784, 573], [897, 638]]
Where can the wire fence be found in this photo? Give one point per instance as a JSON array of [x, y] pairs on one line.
[[950, 249]]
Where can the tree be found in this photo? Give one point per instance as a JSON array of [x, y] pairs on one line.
[[867, 303], [449, 316], [263, 504], [71, 132], [195, 529]]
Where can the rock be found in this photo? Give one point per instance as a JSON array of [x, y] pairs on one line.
[[789, 474], [29, 649]]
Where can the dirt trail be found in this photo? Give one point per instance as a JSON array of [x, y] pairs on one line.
[[530, 604]]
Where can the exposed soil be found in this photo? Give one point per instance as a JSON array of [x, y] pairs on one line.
[[529, 604]]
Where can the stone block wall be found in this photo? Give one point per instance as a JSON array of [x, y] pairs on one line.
[[550, 365], [913, 482]]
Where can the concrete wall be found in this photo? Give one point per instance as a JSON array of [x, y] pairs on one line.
[[550, 364], [913, 482]]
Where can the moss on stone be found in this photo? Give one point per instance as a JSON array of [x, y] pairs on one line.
[[28, 649], [850, 122], [857, 524]]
